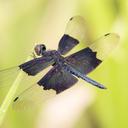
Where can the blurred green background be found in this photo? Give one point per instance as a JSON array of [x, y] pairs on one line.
[[24, 23]]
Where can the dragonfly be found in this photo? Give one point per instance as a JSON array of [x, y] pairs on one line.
[[66, 70]]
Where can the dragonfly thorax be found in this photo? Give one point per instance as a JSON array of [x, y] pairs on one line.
[[56, 56]]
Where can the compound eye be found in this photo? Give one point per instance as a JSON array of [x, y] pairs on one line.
[[43, 47]]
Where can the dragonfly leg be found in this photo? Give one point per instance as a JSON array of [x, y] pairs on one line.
[[33, 55]]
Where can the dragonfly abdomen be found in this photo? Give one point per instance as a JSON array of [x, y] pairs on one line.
[[73, 71]]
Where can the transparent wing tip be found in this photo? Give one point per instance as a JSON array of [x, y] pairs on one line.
[[112, 34], [76, 17]]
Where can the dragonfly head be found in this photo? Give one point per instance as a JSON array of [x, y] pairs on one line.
[[40, 49]]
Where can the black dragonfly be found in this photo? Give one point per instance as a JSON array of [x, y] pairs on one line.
[[67, 70]]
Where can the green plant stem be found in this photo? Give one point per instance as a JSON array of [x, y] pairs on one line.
[[9, 97]]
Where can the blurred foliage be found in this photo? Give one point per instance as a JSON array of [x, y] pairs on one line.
[[24, 23]]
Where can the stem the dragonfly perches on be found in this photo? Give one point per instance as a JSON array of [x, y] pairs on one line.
[[9, 97]]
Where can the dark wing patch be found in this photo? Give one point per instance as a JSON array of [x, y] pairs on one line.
[[84, 61], [66, 44], [36, 65], [57, 79]]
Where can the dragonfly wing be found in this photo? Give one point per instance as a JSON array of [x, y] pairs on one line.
[[31, 67], [57, 79], [89, 58], [76, 33], [32, 97], [36, 65]]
